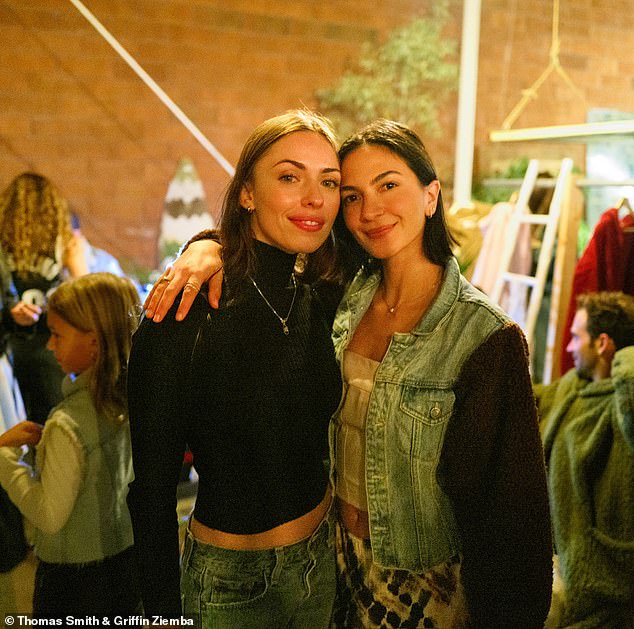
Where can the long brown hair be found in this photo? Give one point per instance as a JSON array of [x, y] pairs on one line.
[[109, 306], [235, 225], [34, 223]]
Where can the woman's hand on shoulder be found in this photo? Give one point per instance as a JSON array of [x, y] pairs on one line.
[[201, 262], [25, 433]]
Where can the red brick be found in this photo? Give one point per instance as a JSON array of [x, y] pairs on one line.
[[74, 110]]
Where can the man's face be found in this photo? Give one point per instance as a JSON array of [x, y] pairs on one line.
[[582, 348]]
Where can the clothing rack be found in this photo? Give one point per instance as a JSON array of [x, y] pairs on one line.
[[624, 202], [564, 267], [570, 214], [580, 182], [571, 210]]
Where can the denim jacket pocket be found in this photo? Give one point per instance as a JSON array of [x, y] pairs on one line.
[[424, 414]]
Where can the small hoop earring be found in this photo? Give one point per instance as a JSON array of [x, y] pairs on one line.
[[250, 210]]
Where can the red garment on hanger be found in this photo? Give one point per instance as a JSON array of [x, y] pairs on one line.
[[606, 264]]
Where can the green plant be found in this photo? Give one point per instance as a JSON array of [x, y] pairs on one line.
[[494, 194], [404, 79]]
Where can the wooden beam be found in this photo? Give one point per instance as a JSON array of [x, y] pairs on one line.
[[567, 133]]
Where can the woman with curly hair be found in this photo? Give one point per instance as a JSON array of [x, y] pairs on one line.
[[36, 237]]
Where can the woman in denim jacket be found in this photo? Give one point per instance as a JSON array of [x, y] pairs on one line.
[[439, 472], [440, 479]]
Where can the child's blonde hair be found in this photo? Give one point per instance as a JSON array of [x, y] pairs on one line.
[[109, 306]]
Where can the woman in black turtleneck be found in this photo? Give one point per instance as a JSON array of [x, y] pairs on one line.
[[250, 389]]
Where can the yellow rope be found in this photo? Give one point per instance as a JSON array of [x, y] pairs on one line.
[[531, 92]]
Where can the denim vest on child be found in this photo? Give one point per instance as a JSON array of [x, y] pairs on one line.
[[99, 525]]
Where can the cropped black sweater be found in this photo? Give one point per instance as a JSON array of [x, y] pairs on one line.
[[253, 405]]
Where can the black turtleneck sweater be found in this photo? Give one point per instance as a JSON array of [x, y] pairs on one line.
[[252, 404]]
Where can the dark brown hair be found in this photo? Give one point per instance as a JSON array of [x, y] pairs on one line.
[[404, 143], [611, 313]]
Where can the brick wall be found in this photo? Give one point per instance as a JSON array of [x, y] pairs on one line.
[[74, 111]]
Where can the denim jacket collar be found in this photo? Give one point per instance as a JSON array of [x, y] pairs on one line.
[[444, 302]]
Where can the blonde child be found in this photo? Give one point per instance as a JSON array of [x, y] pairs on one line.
[[75, 495]]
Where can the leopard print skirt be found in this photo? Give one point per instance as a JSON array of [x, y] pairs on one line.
[[371, 597]]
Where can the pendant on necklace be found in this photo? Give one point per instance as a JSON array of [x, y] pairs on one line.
[[282, 320]]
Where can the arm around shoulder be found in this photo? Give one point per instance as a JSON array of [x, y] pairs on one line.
[[200, 261]]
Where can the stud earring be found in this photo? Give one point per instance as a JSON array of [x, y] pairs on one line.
[[250, 210]]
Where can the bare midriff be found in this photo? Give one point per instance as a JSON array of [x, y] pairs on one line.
[[282, 535], [355, 521]]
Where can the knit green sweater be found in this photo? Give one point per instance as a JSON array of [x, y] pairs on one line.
[[588, 432]]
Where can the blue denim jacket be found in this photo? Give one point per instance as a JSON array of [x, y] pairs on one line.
[[412, 524]]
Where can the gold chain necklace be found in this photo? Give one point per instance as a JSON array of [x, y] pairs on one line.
[[392, 309], [282, 320]]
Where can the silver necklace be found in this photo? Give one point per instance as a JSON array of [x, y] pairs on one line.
[[282, 320]]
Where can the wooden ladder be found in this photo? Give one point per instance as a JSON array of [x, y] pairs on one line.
[[522, 215]]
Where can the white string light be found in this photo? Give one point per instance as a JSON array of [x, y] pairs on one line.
[[153, 85]]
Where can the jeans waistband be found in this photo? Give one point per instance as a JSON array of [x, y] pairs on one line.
[[321, 535]]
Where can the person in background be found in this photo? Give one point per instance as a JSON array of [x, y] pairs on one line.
[[98, 260], [13, 545], [11, 405], [587, 421], [75, 495], [439, 473], [36, 238], [250, 388]]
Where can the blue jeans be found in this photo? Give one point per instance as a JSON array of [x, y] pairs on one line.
[[289, 587]]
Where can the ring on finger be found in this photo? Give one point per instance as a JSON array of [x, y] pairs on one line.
[[164, 279]]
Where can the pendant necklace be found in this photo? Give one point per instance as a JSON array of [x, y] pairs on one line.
[[392, 309], [282, 320]]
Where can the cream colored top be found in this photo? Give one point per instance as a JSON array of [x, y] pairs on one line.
[[358, 375]]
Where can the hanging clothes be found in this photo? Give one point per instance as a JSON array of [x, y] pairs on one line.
[[607, 264], [494, 229]]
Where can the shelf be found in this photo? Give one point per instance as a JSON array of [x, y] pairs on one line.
[[550, 183], [582, 133]]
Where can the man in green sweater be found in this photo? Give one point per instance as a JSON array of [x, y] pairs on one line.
[[587, 424]]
